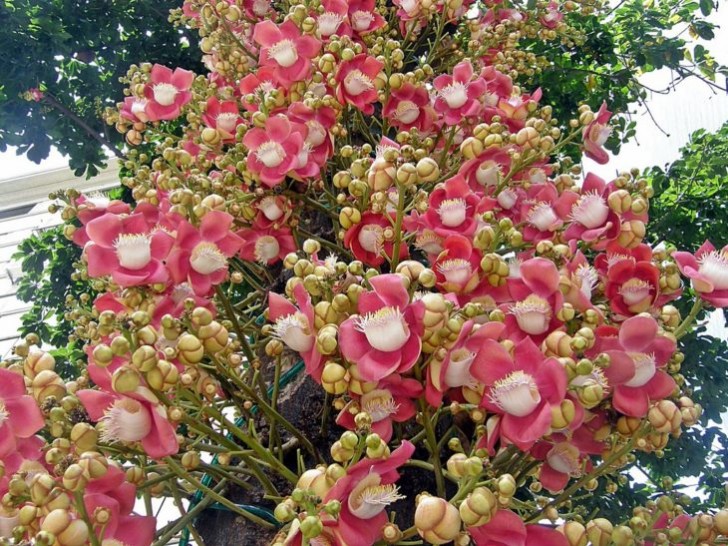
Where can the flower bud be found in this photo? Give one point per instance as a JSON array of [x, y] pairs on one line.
[[348, 217], [84, 437], [144, 358], [74, 478], [427, 170], [575, 533], [665, 416], [283, 512], [311, 527], [94, 464], [214, 337], [333, 378], [317, 481], [339, 453], [36, 362], [436, 520], [506, 485], [48, 383], [479, 507], [125, 379], [622, 536], [631, 234], [190, 349]]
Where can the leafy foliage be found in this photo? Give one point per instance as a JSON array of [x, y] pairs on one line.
[[74, 51]]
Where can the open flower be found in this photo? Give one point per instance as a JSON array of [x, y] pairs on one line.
[[596, 134], [522, 388], [592, 220], [167, 92], [284, 49], [708, 272], [458, 95], [364, 16], [273, 151], [452, 209], [366, 240], [200, 256], [355, 82], [365, 492], [457, 266], [266, 246], [129, 248], [294, 326], [408, 107], [223, 116], [384, 337], [20, 416], [632, 285], [138, 417]]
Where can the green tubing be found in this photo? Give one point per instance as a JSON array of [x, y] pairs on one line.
[[265, 513]]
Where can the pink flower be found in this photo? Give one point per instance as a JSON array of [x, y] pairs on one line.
[[384, 337], [596, 134], [364, 16], [284, 49], [135, 109], [561, 462], [545, 210], [138, 417], [266, 246], [355, 82], [35, 94], [200, 257], [454, 371], [91, 207], [708, 272], [507, 529], [453, 209], [318, 141], [408, 107], [633, 286], [458, 95], [522, 388], [552, 17], [457, 266], [273, 151], [366, 240], [113, 493], [638, 379], [295, 326], [128, 248], [392, 401], [365, 492], [334, 20], [167, 92], [592, 220], [223, 116], [486, 171], [20, 417], [259, 84]]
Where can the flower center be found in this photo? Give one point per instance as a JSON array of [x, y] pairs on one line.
[[356, 83], [428, 241], [599, 133], [452, 212], [645, 369], [206, 258], [284, 53], [362, 20], [591, 211], [371, 239], [316, 133], [266, 249], [456, 271], [385, 329], [516, 394], [542, 217], [271, 154], [265, 87], [126, 420], [458, 369], [635, 291], [507, 198], [369, 498], [455, 94], [564, 458], [270, 208], [261, 7], [533, 315], [164, 93], [134, 250], [302, 157], [714, 266], [295, 331], [488, 173], [586, 278], [328, 23], [406, 112], [139, 106], [227, 121], [379, 404]]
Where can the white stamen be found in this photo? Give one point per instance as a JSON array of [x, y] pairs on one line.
[[586, 278], [599, 133], [164, 93], [270, 208], [328, 23], [206, 258], [284, 53], [488, 174], [533, 315], [385, 329], [295, 331], [361, 20], [452, 212], [126, 421], [379, 404], [714, 266], [507, 198], [266, 249], [458, 369], [369, 498], [271, 154], [406, 112], [371, 238], [635, 291], [591, 211], [134, 250], [645, 369], [542, 216], [428, 241], [456, 271], [227, 121], [455, 94], [564, 458], [516, 394], [356, 83], [316, 133]]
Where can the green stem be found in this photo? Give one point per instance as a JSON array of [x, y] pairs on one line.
[[687, 323], [81, 507], [398, 226]]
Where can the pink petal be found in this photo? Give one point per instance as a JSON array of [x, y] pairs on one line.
[[278, 306], [524, 431], [101, 260], [25, 417], [96, 402], [215, 225], [376, 365], [104, 230], [162, 439], [161, 74], [631, 401], [637, 332], [551, 479], [504, 528], [463, 72], [391, 290], [136, 530], [540, 275], [278, 128], [12, 385], [182, 79], [538, 535], [266, 33]]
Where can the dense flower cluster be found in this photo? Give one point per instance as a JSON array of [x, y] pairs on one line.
[[347, 188]]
